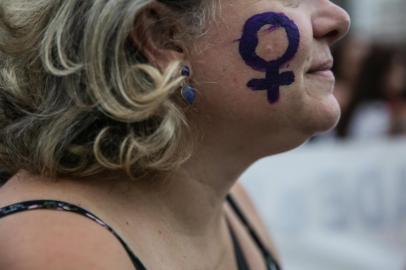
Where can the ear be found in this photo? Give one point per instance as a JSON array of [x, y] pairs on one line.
[[156, 34]]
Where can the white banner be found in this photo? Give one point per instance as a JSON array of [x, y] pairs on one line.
[[335, 206]]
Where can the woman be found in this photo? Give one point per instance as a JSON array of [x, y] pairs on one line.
[[145, 113]]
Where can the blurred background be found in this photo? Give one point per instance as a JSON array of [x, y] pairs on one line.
[[339, 202]]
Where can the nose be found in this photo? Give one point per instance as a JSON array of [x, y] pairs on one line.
[[330, 22]]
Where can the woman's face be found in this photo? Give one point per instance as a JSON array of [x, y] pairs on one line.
[[263, 69]]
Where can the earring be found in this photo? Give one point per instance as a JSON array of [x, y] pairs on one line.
[[188, 92]]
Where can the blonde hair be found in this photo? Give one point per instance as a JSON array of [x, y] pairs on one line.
[[76, 99]]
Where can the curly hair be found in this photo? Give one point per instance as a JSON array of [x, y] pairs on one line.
[[78, 99]]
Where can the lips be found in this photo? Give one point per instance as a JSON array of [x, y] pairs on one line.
[[321, 66], [322, 70]]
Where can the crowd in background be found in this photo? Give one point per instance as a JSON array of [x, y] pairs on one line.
[[371, 89]]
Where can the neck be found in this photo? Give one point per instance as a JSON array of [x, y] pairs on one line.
[[190, 200]]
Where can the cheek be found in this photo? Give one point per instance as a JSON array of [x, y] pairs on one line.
[[299, 65], [302, 60], [272, 43], [228, 93], [306, 52], [223, 74], [221, 77], [224, 95]]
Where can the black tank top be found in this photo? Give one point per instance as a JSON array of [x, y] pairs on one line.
[[270, 262]]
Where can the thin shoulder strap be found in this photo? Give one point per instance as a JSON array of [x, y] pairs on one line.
[[239, 254], [270, 261], [63, 206]]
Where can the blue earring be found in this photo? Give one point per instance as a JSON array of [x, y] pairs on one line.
[[188, 92]]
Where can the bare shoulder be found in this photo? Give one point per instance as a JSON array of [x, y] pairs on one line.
[[45, 239], [248, 207]]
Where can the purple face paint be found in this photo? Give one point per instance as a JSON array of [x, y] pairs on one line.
[[248, 43]]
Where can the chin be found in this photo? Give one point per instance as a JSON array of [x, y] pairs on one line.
[[323, 116]]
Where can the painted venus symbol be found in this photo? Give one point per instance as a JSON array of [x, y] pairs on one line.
[[274, 79]]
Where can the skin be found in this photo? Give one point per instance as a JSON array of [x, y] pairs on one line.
[[182, 219]]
